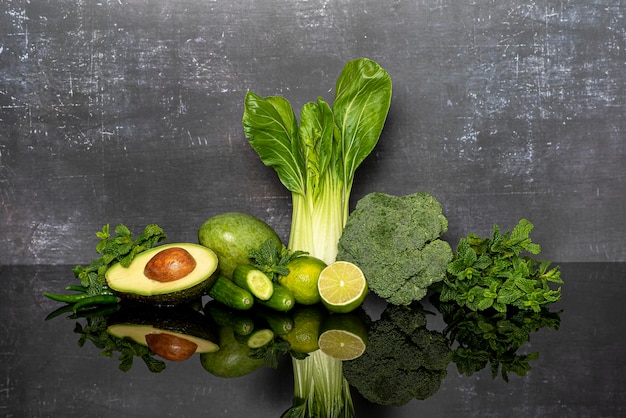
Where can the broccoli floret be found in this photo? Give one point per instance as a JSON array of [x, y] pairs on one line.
[[396, 243], [403, 360]]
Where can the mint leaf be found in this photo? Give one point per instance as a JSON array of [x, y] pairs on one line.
[[494, 272]]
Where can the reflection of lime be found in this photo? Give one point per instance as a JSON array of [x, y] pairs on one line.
[[304, 271], [342, 286], [307, 322], [344, 336]]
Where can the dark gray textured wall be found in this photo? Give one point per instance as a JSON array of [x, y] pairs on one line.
[[130, 111]]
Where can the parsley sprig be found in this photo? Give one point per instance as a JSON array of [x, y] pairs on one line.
[[496, 273]]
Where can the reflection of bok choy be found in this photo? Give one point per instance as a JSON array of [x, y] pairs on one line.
[[316, 161]]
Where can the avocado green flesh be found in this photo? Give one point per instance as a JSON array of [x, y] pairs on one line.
[[131, 282], [138, 334]]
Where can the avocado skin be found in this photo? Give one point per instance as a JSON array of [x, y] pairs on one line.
[[173, 298], [231, 235]]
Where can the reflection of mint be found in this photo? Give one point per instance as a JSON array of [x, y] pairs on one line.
[[95, 331], [493, 338]]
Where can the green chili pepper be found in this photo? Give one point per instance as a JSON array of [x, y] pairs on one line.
[[92, 301], [71, 298]]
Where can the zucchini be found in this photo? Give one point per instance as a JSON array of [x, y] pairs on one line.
[[254, 281], [282, 299], [231, 295]]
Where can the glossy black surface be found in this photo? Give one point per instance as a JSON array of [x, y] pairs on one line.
[[580, 371]]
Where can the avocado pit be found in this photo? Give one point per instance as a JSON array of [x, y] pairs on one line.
[[169, 265], [171, 347]]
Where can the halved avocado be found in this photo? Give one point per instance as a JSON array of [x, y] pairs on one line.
[[165, 275], [173, 333]]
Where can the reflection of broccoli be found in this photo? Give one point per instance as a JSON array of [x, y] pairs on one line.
[[403, 360], [395, 241]]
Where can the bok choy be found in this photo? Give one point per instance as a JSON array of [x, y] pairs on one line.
[[316, 160]]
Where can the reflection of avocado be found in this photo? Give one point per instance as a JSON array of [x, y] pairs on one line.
[[174, 333], [167, 274], [232, 359]]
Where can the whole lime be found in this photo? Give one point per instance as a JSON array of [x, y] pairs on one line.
[[304, 272]]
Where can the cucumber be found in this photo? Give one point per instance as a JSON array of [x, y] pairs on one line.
[[254, 281], [241, 322], [282, 299], [228, 293]]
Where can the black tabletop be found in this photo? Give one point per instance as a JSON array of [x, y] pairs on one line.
[[579, 372]]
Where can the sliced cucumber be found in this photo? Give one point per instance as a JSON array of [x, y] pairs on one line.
[[253, 280]]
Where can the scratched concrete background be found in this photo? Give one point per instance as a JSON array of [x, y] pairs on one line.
[[130, 111]]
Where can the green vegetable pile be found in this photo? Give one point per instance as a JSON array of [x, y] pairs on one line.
[[490, 287]]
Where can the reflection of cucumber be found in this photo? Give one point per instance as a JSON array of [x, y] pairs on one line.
[[282, 299], [257, 338], [241, 322], [253, 280], [280, 322], [228, 293]]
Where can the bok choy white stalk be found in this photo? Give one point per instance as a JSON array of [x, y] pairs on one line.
[[316, 160]]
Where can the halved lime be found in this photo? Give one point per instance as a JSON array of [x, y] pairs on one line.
[[342, 286]]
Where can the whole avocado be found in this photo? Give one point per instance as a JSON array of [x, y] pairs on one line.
[[232, 235]]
